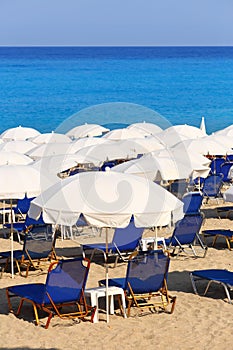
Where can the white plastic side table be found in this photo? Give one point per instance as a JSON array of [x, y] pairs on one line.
[[95, 293], [153, 241]]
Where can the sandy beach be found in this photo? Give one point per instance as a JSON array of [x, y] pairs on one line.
[[198, 322]]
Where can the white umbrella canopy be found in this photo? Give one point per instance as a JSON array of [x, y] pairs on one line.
[[189, 131], [56, 149], [224, 140], [14, 158], [18, 181], [79, 144], [50, 149], [20, 146], [19, 133], [51, 137], [139, 146], [198, 164], [57, 164], [98, 154], [86, 130], [107, 199], [122, 134], [228, 131], [183, 155], [145, 128], [155, 169], [169, 139], [164, 165], [149, 143], [203, 146]]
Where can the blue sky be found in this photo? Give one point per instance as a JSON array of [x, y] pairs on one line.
[[116, 22]]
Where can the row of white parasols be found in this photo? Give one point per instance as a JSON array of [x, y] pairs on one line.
[[105, 199]]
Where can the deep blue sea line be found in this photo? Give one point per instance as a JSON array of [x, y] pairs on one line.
[[43, 86]]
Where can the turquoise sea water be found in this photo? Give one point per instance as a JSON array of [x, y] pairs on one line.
[[42, 87]]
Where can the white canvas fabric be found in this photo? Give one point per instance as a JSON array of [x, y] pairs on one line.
[[51, 137], [19, 146], [19, 133], [86, 130], [16, 181], [107, 199], [145, 128], [9, 157]]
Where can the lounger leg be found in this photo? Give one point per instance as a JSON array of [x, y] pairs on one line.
[[207, 287], [214, 241], [228, 243], [48, 320], [227, 293], [173, 301], [193, 283]]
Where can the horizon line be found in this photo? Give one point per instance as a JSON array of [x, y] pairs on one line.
[[115, 46]]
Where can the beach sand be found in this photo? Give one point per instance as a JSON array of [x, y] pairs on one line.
[[198, 322]]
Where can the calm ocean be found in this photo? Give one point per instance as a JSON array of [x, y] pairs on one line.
[[41, 87]]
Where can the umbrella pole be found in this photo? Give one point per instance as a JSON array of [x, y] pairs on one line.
[[12, 245], [156, 238], [106, 278]]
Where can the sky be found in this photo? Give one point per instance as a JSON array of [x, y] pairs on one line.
[[116, 22]]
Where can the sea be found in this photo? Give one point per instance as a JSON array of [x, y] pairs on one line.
[[57, 88]]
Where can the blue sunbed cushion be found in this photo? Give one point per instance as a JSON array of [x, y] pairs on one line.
[[17, 254], [33, 291], [101, 246], [219, 275], [227, 233]]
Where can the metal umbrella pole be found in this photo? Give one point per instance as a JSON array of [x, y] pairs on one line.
[[106, 277], [11, 238]]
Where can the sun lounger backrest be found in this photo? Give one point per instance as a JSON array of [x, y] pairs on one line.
[[225, 171], [127, 238], [23, 205], [192, 202], [215, 165], [39, 242], [67, 280], [146, 272], [212, 185], [29, 221], [186, 229]]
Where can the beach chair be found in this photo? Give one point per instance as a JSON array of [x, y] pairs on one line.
[[179, 188], [221, 277], [196, 184], [124, 241], [212, 187], [192, 202], [22, 207], [215, 165], [186, 235], [229, 158], [225, 171], [226, 210], [20, 227], [59, 295], [145, 284], [39, 246], [227, 235]]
